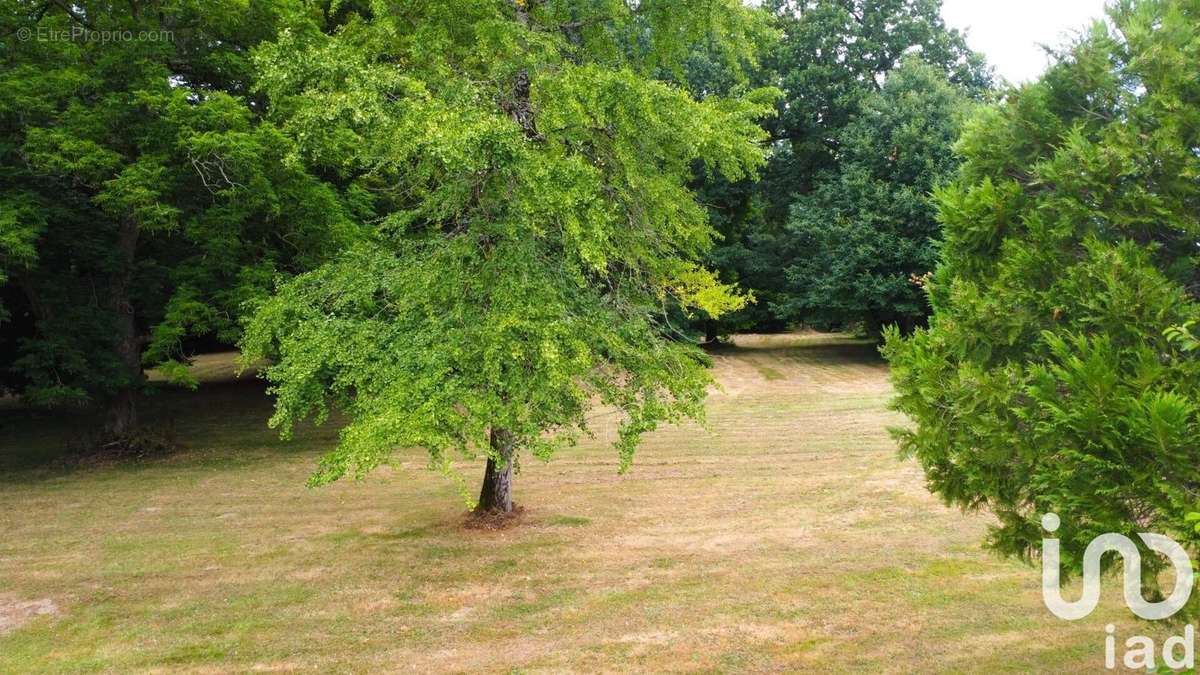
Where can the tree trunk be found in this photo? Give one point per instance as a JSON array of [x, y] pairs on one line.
[[496, 495], [711, 337], [520, 108], [121, 415]]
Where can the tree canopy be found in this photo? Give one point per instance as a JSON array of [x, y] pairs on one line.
[[524, 173], [143, 199], [867, 232], [1055, 375], [832, 59]]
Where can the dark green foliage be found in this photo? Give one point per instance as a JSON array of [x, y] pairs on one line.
[[866, 234], [834, 55], [143, 201], [1057, 374], [831, 58], [735, 208]]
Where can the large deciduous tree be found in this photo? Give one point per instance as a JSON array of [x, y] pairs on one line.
[[526, 175], [142, 200], [837, 53], [1054, 376]]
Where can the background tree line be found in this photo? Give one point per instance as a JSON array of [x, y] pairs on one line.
[[840, 225]]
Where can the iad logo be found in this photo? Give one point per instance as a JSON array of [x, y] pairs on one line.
[[1140, 651], [1052, 591]]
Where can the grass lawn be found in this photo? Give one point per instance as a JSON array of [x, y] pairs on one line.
[[787, 537]]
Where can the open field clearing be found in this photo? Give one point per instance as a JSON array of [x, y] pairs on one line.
[[788, 537]]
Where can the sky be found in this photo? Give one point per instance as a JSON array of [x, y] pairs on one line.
[[1008, 32]]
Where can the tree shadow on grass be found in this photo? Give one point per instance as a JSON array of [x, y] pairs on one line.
[[222, 418], [809, 347]]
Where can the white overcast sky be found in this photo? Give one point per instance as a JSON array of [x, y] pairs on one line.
[[1008, 32]]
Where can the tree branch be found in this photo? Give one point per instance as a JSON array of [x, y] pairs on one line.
[[61, 4]]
